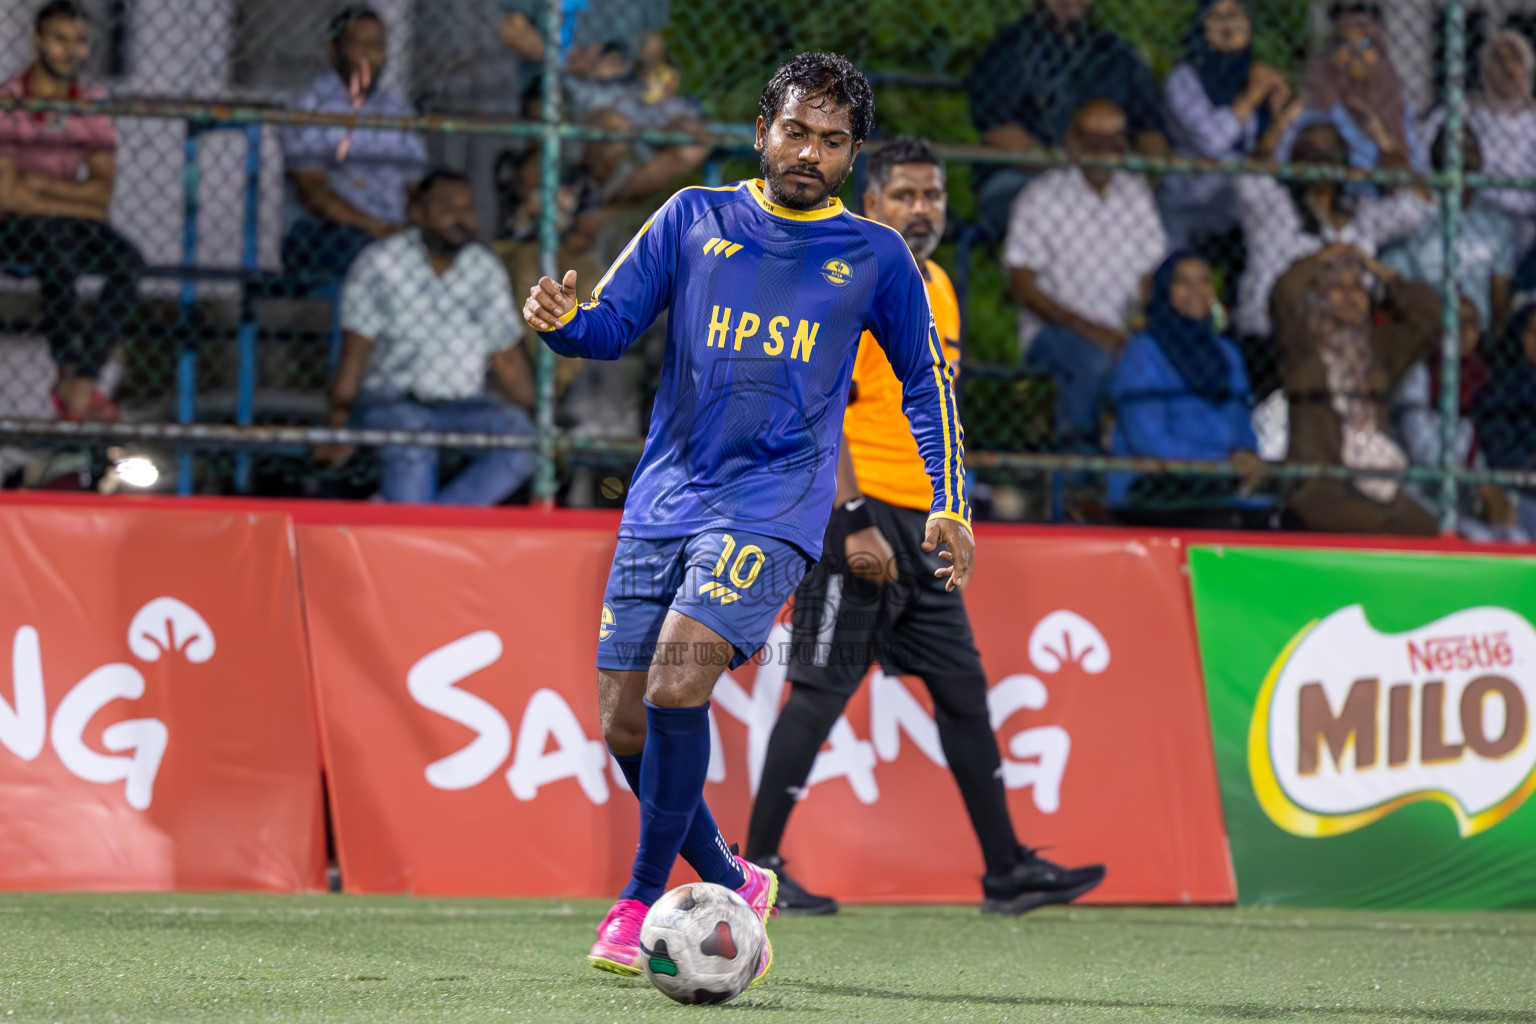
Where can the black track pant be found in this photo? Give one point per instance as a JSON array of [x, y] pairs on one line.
[[61, 250], [912, 627]]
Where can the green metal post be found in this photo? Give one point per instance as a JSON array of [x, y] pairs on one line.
[[549, 244], [1450, 206]]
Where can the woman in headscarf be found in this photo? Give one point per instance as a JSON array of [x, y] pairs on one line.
[[1341, 357], [1503, 115], [1220, 103], [1351, 83], [1181, 393]]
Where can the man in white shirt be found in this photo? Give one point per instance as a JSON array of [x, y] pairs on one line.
[[423, 314], [1081, 243]]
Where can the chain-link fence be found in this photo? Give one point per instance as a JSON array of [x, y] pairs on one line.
[[244, 257]]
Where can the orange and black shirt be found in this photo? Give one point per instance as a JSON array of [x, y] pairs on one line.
[[885, 456]]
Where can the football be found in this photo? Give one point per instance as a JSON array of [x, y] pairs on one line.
[[701, 943]]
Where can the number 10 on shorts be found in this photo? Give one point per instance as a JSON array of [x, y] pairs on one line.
[[743, 571]]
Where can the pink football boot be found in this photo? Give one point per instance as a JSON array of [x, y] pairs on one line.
[[760, 890], [617, 948]]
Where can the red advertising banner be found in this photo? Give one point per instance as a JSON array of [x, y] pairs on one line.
[[158, 729], [1096, 699], [456, 684]]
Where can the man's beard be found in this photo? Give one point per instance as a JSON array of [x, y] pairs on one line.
[[922, 243], [441, 243], [56, 73], [779, 193]]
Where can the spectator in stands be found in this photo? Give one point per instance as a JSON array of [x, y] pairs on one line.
[[1505, 410], [644, 89], [1485, 251], [1352, 84], [1220, 102], [1181, 392], [617, 78], [614, 175], [1487, 512], [1283, 223], [460, 65], [56, 178], [603, 200], [599, 39], [1503, 114], [423, 312], [1341, 357], [1081, 243], [1034, 77], [350, 184]]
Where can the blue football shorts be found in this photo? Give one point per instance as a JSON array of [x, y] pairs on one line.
[[732, 581]]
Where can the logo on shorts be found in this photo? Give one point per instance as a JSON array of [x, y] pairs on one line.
[[606, 626], [717, 591], [836, 272]]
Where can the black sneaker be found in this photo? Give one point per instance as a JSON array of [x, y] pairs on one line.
[[793, 897], [1036, 882]]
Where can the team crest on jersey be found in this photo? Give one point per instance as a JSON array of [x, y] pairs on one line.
[[837, 272], [606, 626]]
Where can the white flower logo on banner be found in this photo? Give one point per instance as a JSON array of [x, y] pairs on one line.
[[165, 625], [1063, 638]]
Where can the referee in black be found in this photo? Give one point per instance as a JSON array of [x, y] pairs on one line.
[[874, 597]]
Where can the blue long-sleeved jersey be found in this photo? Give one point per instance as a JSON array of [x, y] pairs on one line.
[[765, 307]]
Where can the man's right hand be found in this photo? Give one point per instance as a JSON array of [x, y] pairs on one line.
[[548, 302], [870, 556], [1252, 471], [1110, 339], [329, 456], [15, 196], [1268, 81]]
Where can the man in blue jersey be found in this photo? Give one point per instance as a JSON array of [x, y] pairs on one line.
[[768, 285]]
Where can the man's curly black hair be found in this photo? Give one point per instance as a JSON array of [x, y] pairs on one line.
[[820, 80]]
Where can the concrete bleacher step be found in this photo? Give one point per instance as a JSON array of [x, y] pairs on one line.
[[309, 316]]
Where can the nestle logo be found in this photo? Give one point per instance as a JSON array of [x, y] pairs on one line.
[[1468, 651], [1344, 734]]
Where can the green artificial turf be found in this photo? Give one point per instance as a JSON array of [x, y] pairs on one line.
[[139, 958]]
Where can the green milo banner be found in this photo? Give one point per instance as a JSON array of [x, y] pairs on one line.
[[1371, 714]]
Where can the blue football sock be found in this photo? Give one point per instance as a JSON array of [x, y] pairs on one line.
[[629, 764], [672, 772], [705, 849]]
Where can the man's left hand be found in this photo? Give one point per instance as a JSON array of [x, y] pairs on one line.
[[960, 547]]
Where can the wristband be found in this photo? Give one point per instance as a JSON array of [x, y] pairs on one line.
[[853, 516]]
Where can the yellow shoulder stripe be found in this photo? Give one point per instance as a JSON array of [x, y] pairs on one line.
[[633, 242]]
